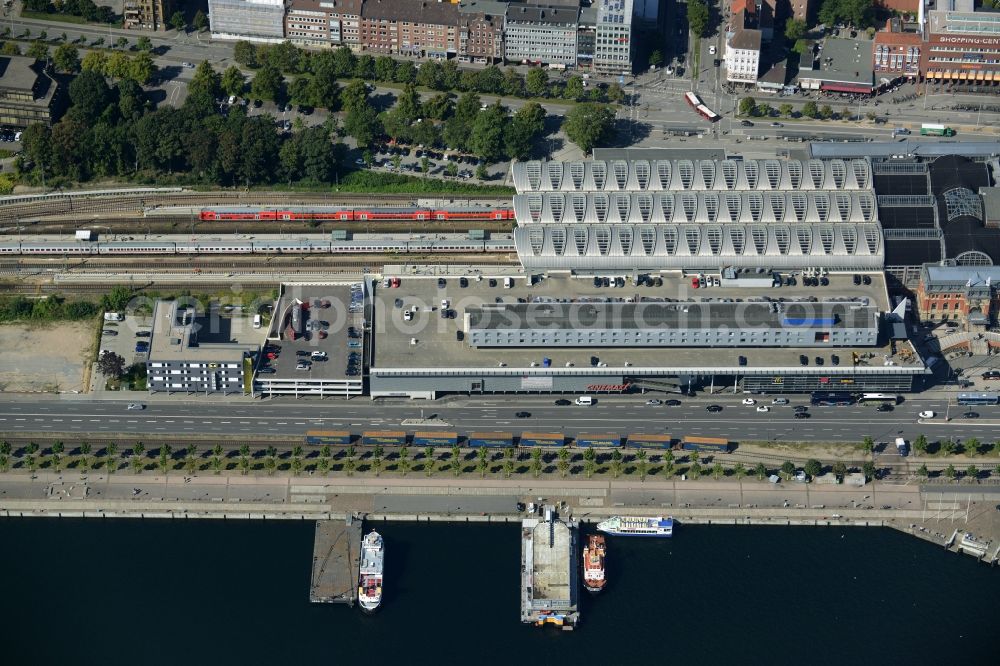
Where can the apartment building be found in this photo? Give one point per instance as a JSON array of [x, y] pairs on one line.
[[417, 28], [896, 52], [147, 14], [742, 56], [613, 47], [324, 23], [253, 20], [541, 34], [480, 30]]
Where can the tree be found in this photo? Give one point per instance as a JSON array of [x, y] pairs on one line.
[[656, 58], [144, 43], [922, 472], [178, 21], [747, 106], [513, 83], [794, 29], [787, 469], [537, 82], [205, 81], [589, 462], [428, 461], [589, 125], [245, 53], [868, 445], [826, 112], [950, 472], [616, 463], [574, 88], [111, 365], [66, 58], [233, 82], [868, 469], [718, 471], [482, 462], [267, 83], [536, 462], [10, 49], [642, 464], [200, 21], [404, 460], [38, 50], [785, 110], [972, 473], [563, 463], [362, 123], [141, 68], [698, 15], [839, 470], [486, 139], [739, 471], [615, 93], [764, 110], [694, 471], [972, 446], [813, 467], [809, 110], [165, 453], [85, 450], [456, 460], [111, 465], [920, 444]]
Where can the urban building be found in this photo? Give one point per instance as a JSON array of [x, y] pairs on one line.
[[147, 14], [481, 25], [324, 23], [192, 353], [774, 80], [963, 45], [742, 56], [253, 20], [317, 340], [614, 46], [964, 294], [419, 29], [554, 332], [800, 10], [901, 6], [27, 93], [838, 65], [539, 34], [586, 37], [753, 15], [897, 52]]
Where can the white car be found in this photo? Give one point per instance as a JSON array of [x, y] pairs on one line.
[[711, 49], [749, 402], [654, 401], [136, 405], [926, 414], [763, 408], [318, 355]]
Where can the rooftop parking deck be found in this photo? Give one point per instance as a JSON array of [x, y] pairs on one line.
[[431, 343]]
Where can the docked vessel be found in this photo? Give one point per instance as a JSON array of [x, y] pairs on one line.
[[593, 564], [638, 526], [370, 578]]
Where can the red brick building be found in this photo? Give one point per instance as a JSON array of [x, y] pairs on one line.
[[964, 294], [417, 28], [896, 53], [480, 30]]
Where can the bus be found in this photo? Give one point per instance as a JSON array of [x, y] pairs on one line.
[[695, 103], [832, 398], [879, 398], [934, 129], [978, 398]]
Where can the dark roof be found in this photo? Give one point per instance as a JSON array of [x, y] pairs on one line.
[[906, 217], [914, 146], [911, 252], [963, 233], [541, 14], [413, 11], [18, 73], [352, 7], [748, 40]]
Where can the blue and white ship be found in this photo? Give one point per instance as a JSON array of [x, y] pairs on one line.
[[638, 526]]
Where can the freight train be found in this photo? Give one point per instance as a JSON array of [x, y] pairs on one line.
[[268, 247], [355, 214]]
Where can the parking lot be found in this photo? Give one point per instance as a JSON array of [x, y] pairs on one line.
[[128, 338]]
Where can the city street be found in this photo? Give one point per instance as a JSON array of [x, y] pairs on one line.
[[242, 419]]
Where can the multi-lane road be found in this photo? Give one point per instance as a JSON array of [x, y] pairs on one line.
[[245, 420]]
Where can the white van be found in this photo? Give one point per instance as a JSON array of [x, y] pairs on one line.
[[508, 282], [114, 316], [256, 321], [584, 400]]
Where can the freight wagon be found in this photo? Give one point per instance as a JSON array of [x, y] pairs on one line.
[[597, 440], [447, 439], [384, 438], [542, 439], [490, 439], [328, 437], [707, 444], [643, 441]]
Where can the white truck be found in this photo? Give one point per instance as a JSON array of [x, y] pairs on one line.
[[902, 447], [85, 235]]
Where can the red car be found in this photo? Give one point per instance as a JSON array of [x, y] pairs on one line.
[[694, 283]]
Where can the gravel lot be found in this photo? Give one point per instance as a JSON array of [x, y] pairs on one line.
[[44, 357]]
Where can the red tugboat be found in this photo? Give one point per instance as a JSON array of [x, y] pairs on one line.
[[593, 564]]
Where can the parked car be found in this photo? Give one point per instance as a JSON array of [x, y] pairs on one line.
[[109, 331]]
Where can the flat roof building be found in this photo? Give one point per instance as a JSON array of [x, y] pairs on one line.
[[963, 46], [541, 34], [197, 352], [839, 65], [27, 93], [253, 20], [324, 23]]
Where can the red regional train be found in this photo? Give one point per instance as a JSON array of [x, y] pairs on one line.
[[348, 214]]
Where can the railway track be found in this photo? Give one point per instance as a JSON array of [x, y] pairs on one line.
[[136, 203]]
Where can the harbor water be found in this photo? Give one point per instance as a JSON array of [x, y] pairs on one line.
[[237, 592]]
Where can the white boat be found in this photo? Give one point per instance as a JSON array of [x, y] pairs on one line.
[[370, 577], [637, 526]]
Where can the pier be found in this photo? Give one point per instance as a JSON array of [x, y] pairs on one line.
[[336, 558], [549, 585]]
